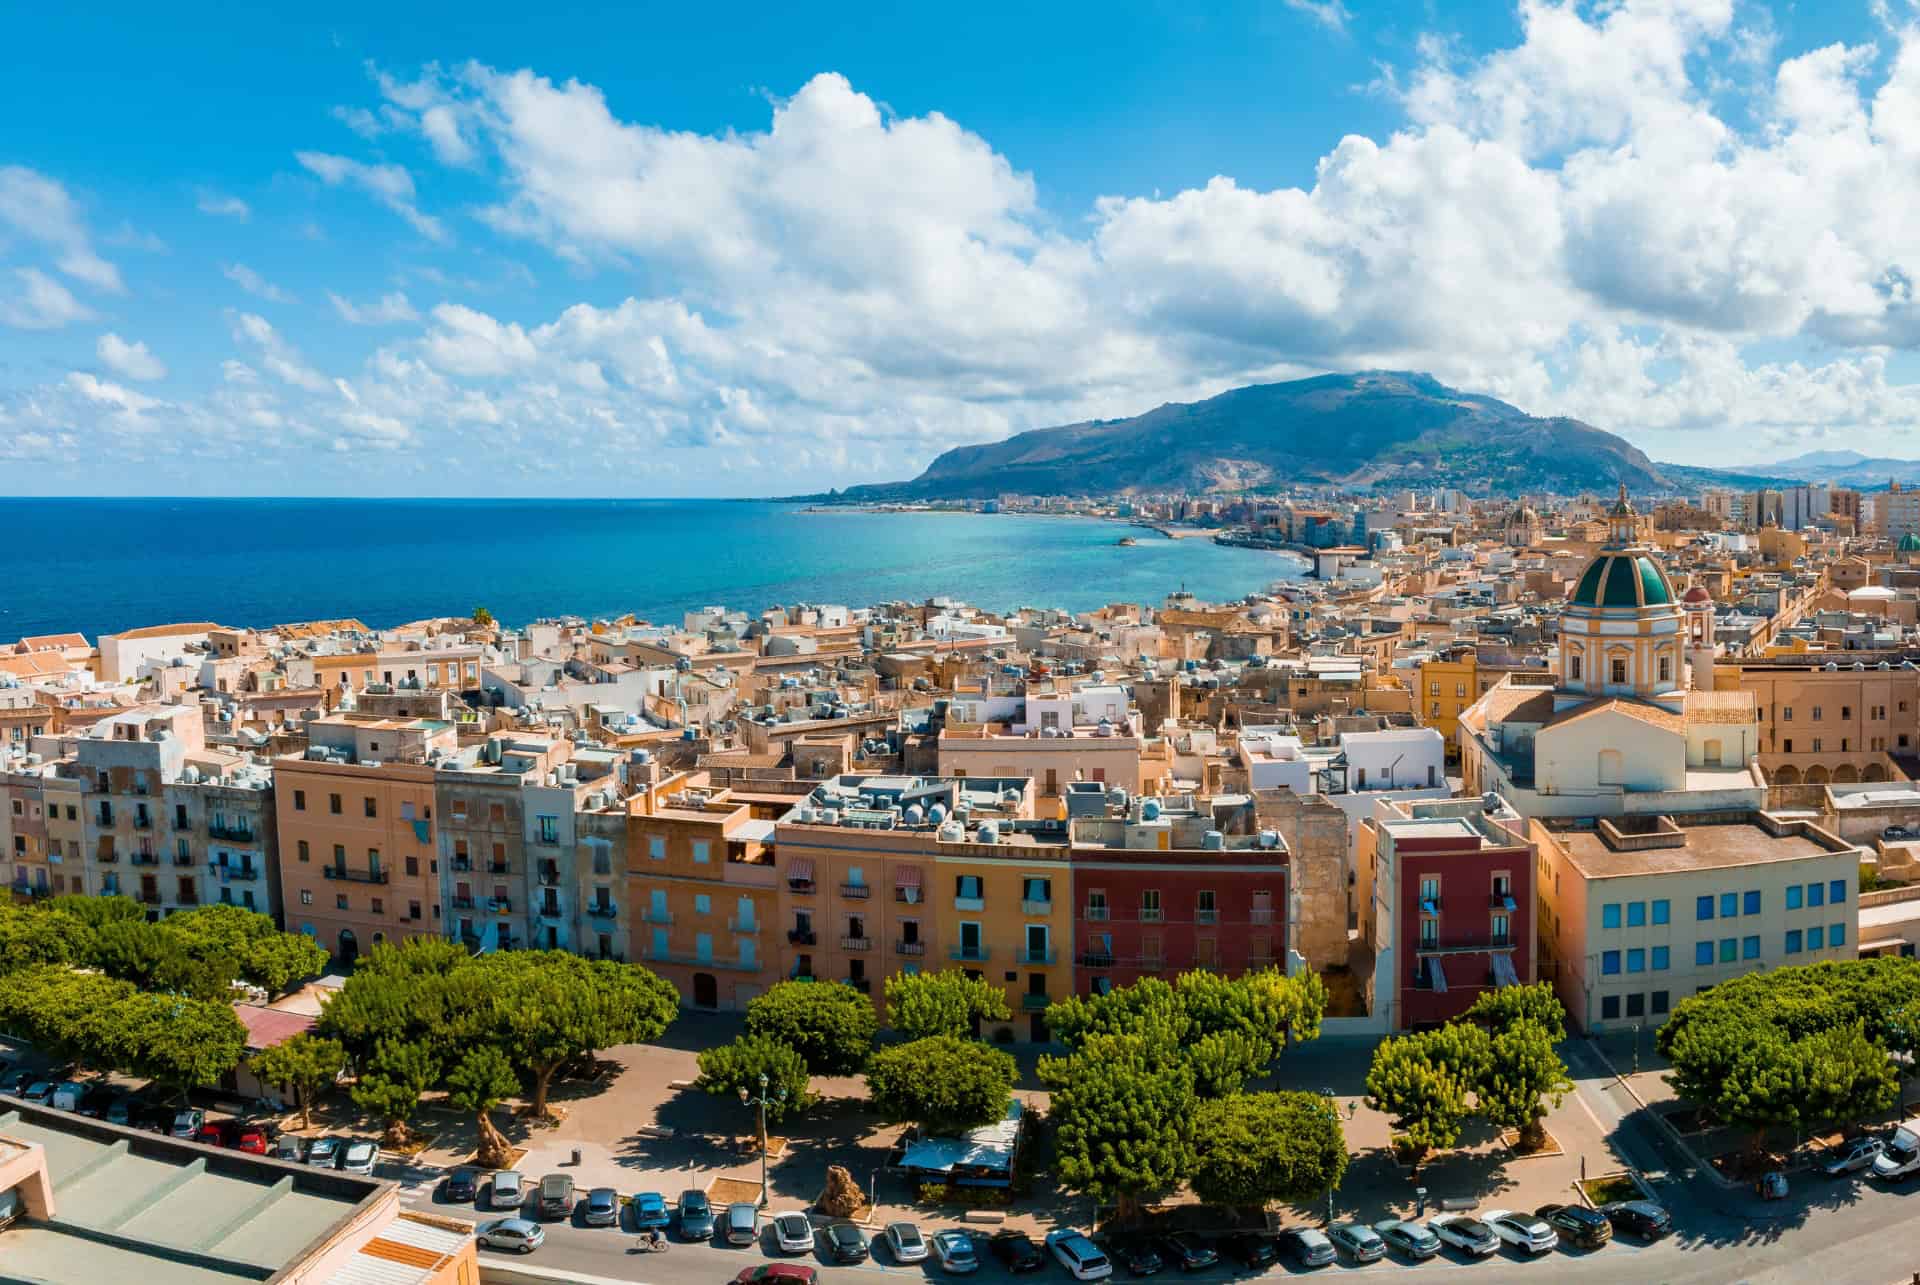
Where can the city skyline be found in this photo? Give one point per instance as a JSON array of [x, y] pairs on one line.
[[803, 252]]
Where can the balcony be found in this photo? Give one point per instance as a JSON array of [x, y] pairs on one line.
[[970, 903], [1096, 959], [694, 959], [736, 924], [182, 861], [803, 887], [143, 859], [230, 833], [910, 949], [857, 891], [970, 954], [470, 940], [1430, 905], [461, 903], [141, 821], [1028, 906], [1035, 1003], [1152, 915], [1098, 914], [862, 984], [1498, 900], [343, 874], [1260, 916], [462, 864], [801, 937], [1206, 916], [188, 897], [856, 943], [182, 824], [549, 877], [499, 868], [1464, 944], [908, 896], [1040, 957], [551, 910], [230, 873], [501, 905], [147, 897], [108, 858], [1257, 962], [602, 910], [658, 916], [1151, 964]]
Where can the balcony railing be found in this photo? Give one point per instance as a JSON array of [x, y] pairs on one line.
[[344, 874], [1260, 916], [109, 857], [1497, 900], [658, 916], [501, 904], [805, 887], [463, 863], [1151, 963], [971, 954], [143, 859], [602, 910], [1033, 1003], [551, 910], [1031, 906], [1206, 916], [1152, 915], [856, 943], [1096, 959], [697, 960], [188, 897], [1098, 914], [230, 873], [182, 823], [908, 896], [802, 937], [858, 891], [462, 903], [499, 868], [969, 903], [147, 898], [549, 877], [862, 984], [910, 949], [230, 833], [1032, 956], [182, 860], [142, 822]]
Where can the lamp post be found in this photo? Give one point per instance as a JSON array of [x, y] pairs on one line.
[[1333, 1113], [748, 1099]]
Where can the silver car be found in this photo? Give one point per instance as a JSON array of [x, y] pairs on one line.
[[1465, 1232], [516, 1235], [906, 1243], [359, 1157], [509, 1190]]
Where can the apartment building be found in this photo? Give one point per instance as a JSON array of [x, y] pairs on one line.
[[701, 891], [1637, 913], [1823, 720], [23, 833], [356, 815], [500, 804], [1089, 734]]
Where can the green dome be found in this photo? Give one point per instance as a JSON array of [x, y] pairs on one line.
[[1623, 580], [1910, 543]]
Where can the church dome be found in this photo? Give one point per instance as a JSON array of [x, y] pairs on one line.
[[1909, 543], [1696, 596], [1623, 578]]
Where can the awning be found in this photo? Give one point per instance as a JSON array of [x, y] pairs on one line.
[[905, 877], [1503, 973], [1884, 943], [800, 870], [1436, 974]]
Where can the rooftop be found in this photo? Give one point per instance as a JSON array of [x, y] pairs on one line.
[[1629, 846]]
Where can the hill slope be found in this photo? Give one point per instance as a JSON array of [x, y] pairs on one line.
[[1369, 428]]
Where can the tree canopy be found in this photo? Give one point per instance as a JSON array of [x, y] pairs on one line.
[[726, 1069], [947, 1002], [830, 1025], [199, 952], [1424, 1081], [179, 1041], [943, 1083], [1122, 1113], [307, 1063], [1252, 1148]]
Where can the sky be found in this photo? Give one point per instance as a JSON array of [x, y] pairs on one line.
[[674, 250]]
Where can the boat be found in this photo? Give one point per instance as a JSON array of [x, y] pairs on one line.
[[1127, 542]]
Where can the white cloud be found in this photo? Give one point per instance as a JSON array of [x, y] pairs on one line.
[[389, 309], [221, 205], [279, 358], [1331, 14], [255, 284], [391, 185], [40, 303], [38, 209], [131, 360]]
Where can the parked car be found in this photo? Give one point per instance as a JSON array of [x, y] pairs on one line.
[[1900, 1158], [650, 1211], [1187, 1251], [1360, 1242], [777, 1274], [187, 1122], [358, 1157], [1640, 1218], [695, 1215], [516, 1235], [1017, 1252], [556, 1197], [1135, 1254], [1851, 1156], [15, 1082], [1307, 1246], [324, 1153], [215, 1133], [290, 1148], [1410, 1238], [95, 1101], [1463, 1231], [508, 1190], [67, 1096], [1084, 1260], [743, 1223], [602, 1208], [954, 1249], [39, 1091], [463, 1184], [250, 1138], [121, 1110], [846, 1243], [793, 1232], [905, 1243], [1251, 1250], [1579, 1226], [1524, 1231]]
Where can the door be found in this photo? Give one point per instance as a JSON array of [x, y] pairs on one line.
[[706, 991], [349, 947]]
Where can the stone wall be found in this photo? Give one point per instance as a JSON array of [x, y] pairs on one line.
[[1319, 907]]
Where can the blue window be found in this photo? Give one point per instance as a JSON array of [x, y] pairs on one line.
[[1729, 905], [1610, 962], [1750, 904], [1816, 938], [1660, 957], [1636, 914], [1837, 935], [1610, 915], [1636, 960], [1793, 941], [1837, 892], [1660, 911], [1749, 948], [1816, 895], [1703, 908], [1793, 896], [1729, 950], [1703, 952]]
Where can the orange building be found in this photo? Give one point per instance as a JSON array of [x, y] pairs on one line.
[[700, 889]]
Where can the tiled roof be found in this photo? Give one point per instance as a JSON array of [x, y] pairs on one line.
[[1645, 713], [267, 1027]]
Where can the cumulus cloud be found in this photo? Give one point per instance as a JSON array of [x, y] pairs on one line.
[[1331, 14], [390, 185], [388, 310], [255, 284], [276, 355], [37, 209], [221, 205], [38, 302], [129, 360]]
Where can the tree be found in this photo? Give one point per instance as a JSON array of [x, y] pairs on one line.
[[1122, 1111], [830, 1025], [1523, 1074], [1501, 1008], [1254, 1148], [943, 1083], [1423, 1081], [947, 1002], [391, 1083], [181, 1043], [307, 1062], [726, 1069], [551, 1006], [481, 1081], [482, 617]]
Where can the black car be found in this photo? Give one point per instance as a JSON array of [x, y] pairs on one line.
[[847, 1243], [15, 1082], [1187, 1251], [1579, 1226], [462, 1185], [1135, 1254], [95, 1101], [1017, 1252], [1251, 1249], [1640, 1218]]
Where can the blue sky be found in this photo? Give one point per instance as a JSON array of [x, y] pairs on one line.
[[657, 251]]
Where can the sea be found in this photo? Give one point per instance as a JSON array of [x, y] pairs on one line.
[[104, 565]]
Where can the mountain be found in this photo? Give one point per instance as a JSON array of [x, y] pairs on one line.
[[1373, 428], [1850, 468]]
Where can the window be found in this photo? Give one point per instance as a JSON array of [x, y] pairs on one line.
[[1636, 914], [496, 812], [1749, 948], [379, 906], [306, 896], [1666, 674], [340, 902], [703, 905], [1636, 1005], [1702, 953], [1786, 713], [1729, 905], [1660, 911], [1150, 906], [703, 850], [1816, 895], [1610, 1004], [1703, 907], [657, 848], [1575, 673], [1793, 941], [1817, 746], [1729, 950], [1619, 670], [299, 800], [1786, 746], [413, 865], [1750, 903], [1837, 935], [413, 910], [1636, 960], [1609, 962], [1793, 896], [1837, 892], [1610, 915], [306, 853], [371, 805], [550, 832], [333, 804], [1661, 955], [1658, 1002], [1816, 938]]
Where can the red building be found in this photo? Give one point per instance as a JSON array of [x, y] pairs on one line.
[[1156, 895], [1452, 899]]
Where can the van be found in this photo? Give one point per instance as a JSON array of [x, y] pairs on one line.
[[556, 1196], [743, 1223], [1902, 1156], [67, 1095], [1078, 1255]]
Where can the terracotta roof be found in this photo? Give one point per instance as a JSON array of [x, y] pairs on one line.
[[320, 628], [50, 642], [167, 631], [267, 1027], [39, 664], [1651, 714], [1721, 707], [1506, 704]]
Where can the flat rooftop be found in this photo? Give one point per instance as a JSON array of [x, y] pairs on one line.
[[1707, 847]]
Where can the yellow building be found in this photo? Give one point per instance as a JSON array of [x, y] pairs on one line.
[[701, 896]]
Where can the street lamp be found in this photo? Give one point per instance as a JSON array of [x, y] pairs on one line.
[[1332, 1103], [747, 1099]]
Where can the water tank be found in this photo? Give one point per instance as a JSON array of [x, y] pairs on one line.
[[937, 813], [1150, 810], [952, 832], [988, 832], [640, 756], [1213, 841], [829, 816], [1010, 796], [914, 814], [1269, 838], [1117, 796]]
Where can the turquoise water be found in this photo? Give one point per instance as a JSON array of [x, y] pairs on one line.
[[101, 565]]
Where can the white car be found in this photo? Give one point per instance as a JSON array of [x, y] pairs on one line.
[[1083, 1259], [906, 1243], [1522, 1230], [359, 1158], [794, 1232], [1463, 1231]]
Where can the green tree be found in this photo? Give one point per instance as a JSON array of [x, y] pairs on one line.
[[943, 1083], [1424, 1080], [726, 1069], [259, 952], [1254, 1148], [830, 1025], [1501, 1008], [29, 936], [391, 1082], [95, 912], [480, 1082], [180, 1043], [1524, 1074], [306, 1062], [1122, 1111], [552, 1006], [482, 617], [947, 1002]]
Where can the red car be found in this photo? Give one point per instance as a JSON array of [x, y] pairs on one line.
[[251, 1140], [777, 1274], [216, 1133]]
